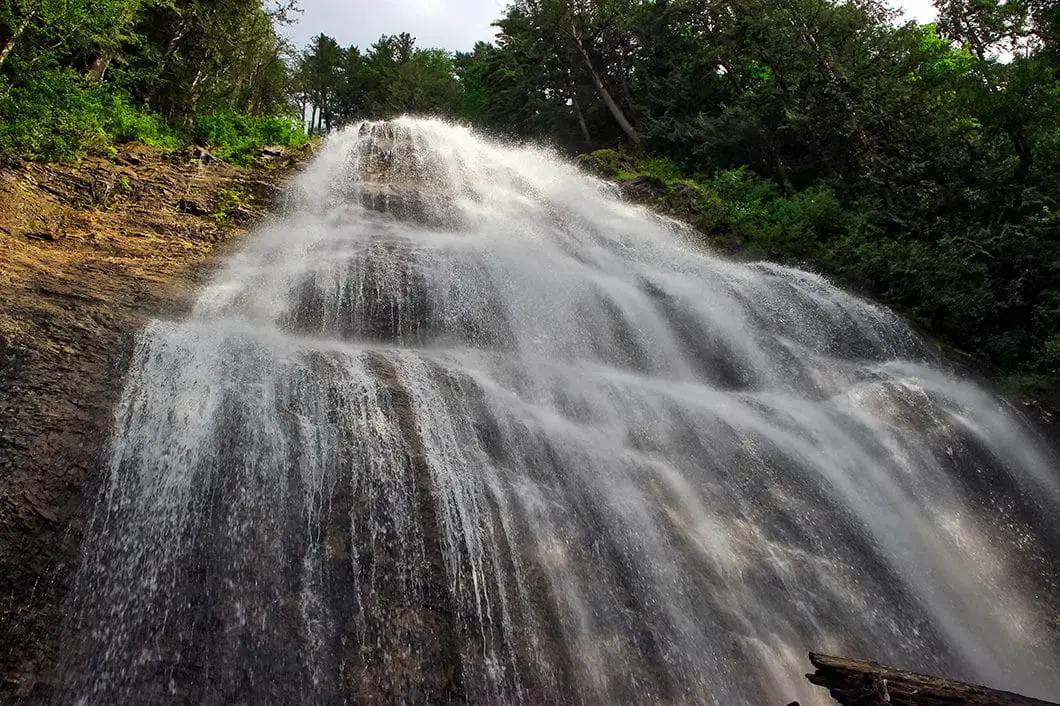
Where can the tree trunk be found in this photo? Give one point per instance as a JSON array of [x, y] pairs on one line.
[[605, 95], [313, 120], [9, 45], [581, 120], [97, 70], [193, 93], [1019, 145], [783, 174], [778, 163], [852, 681], [627, 93]]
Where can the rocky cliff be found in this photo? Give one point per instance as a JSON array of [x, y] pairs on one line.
[[88, 252]]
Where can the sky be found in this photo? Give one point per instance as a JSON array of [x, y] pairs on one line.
[[447, 24]]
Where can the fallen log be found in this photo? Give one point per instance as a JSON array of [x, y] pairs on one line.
[[854, 682]]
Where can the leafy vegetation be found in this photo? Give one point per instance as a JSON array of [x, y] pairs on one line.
[[81, 75], [918, 163], [228, 202], [239, 137]]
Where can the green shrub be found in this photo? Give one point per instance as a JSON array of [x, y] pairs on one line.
[[239, 138], [1047, 359], [51, 117], [229, 201], [611, 164], [125, 123], [57, 116]]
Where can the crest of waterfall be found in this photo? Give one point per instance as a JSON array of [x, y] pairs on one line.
[[463, 426]]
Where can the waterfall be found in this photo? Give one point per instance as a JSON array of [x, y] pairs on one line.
[[462, 425]]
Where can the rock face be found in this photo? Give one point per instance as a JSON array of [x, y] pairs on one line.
[[87, 254]]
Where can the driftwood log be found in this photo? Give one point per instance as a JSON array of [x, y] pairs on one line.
[[853, 682]]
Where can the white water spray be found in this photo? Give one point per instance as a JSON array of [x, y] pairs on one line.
[[463, 426]]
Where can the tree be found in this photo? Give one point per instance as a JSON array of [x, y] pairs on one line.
[[51, 33], [75, 73], [322, 67], [392, 77], [991, 26]]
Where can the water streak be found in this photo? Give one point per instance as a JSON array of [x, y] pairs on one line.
[[464, 426]]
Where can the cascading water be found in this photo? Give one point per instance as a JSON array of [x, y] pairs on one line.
[[463, 426]]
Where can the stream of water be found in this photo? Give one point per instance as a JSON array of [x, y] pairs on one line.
[[461, 425]]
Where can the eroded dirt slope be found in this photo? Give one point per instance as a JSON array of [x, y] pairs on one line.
[[88, 252]]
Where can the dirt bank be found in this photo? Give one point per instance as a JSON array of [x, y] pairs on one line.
[[88, 252]]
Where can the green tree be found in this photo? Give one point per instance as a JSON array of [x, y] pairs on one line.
[[943, 160], [392, 77], [77, 74]]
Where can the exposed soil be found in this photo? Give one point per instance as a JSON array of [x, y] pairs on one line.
[[88, 253]]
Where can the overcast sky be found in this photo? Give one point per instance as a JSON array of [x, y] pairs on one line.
[[448, 24]]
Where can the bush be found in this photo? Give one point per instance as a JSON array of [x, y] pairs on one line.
[[50, 118], [1047, 359], [57, 116], [125, 123], [239, 138]]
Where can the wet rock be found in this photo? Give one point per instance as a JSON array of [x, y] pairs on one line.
[[643, 188], [70, 316]]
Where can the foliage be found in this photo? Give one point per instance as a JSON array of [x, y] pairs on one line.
[[228, 202], [198, 56], [239, 138], [392, 77], [80, 75], [54, 115], [124, 122]]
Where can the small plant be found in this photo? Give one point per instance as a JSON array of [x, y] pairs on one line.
[[228, 202], [612, 164]]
